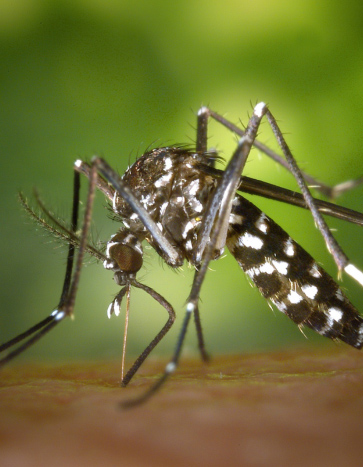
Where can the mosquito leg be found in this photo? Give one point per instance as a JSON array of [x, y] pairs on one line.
[[71, 249], [202, 128], [43, 327], [24, 335], [339, 256], [127, 314], [85, 169], [140, 360], [169, 369], [220, 206], [170, 254], [221, 202], [326, 190], [277, 193], [341, 188], [200, 337], [201, 146], [69, 300]]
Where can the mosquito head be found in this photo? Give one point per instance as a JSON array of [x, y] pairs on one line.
[[124, 256]]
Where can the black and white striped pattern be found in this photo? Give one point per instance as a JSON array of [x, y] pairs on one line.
[[288, 276], [175, 192]]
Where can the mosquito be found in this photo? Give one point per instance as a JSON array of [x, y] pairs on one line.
[[175, 199]]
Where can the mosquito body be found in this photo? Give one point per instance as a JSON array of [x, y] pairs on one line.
[[174, 187], [176, 200]]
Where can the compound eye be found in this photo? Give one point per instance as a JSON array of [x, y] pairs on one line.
[[127, 258]]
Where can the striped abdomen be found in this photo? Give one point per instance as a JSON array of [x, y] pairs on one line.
[[287, 275]]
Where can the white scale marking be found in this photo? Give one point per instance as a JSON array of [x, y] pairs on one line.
[[188, 226], [108, 264], [145, 200], [235, 219], [197, 205], [261, 223], [339, 295], [335, 314], [163, 180], [259, 109], [360, 334], [265, 268], [252, 272], [109, 246], [310, 290], [281, 266], [294, 297], [163, 208], [188, 245], [202, 110], [314, 271], [281, 306], [193, 187], [250, 241], [58, 315], [116, 307], [114, 201], [138, 247], [128, 240], [289, 248], [170, 368], [168, 163]]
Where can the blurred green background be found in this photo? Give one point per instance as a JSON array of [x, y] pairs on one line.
[[112, 77]]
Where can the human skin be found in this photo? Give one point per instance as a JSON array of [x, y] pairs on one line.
[[287, 408]]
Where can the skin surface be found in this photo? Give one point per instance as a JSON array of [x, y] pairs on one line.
[[291, 408]]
